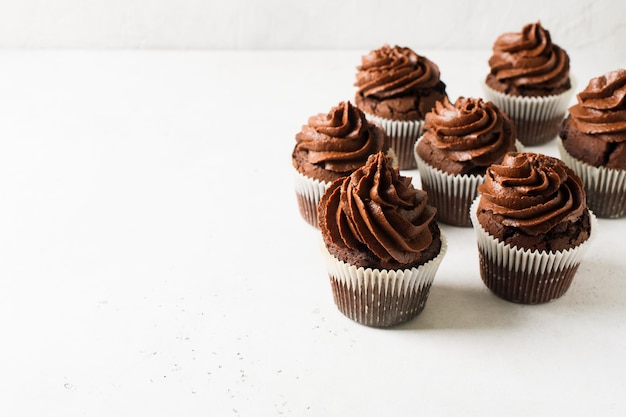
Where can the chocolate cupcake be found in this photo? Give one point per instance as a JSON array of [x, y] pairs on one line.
[[460, 141], [396, 88], [593, 143], [382, 244], [529, 80], [533, 227], [330, 146]]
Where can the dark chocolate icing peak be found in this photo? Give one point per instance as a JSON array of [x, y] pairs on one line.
[[392, 71], [469, 130], [377, 209], [601, 108], [340, 140], [532, 192], [529, 59]]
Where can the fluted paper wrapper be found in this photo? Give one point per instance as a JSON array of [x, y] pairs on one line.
[[605, 187], [451, 194], [402, 136], [309, 192], [381, 297], [526, 276], [537, 119]]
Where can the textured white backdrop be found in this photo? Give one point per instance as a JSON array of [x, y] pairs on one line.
[[321, 24]]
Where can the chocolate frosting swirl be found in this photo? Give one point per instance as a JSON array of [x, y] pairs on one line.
[[377, 210], [601, 107], [341, 140], [532, 192], [471, 133], [393, 71], [529, 60]]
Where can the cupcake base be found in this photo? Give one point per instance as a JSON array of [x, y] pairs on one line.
[[607, 204], [451, 194], [308, 194], [526, 276], [537, 119], [308, 209], [402, 138], [538, 132], [521, 287], [372, 306], [605, 187], [379, 297]]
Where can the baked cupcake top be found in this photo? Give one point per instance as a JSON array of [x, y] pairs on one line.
[[534, 201], [595, 130], [398, 84], [465, 137], [376, 218], [332, 145], [528, 64]]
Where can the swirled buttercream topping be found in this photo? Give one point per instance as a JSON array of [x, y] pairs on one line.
[[341, 140], [395, 71], [601, 107], [471, 132], [529, 59], [532, 192], [378, 210]]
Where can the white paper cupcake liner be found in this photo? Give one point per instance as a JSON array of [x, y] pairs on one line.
[[309, 192], [451, 194], [522, 275], [381, 297], [537, 119], [402, 135], [605, 187]]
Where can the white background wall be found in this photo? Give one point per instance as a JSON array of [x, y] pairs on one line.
[[316, 24]]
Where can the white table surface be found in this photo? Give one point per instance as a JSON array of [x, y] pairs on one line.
[[153, 261]]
